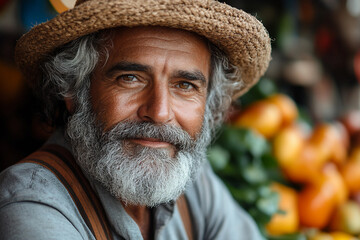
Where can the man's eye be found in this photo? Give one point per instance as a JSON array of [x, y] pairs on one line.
[[127, 78], [185, 85]]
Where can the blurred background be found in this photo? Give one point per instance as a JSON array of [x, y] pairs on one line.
[[316, 61]]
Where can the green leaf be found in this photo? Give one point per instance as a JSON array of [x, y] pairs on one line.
[[243, 160], [254, 174], [255, 143], [218, 157], [232, 139], [269, 204], [244, 195], [260, 218], [230, 171], [265, 191], [272, 168], [269, 161]]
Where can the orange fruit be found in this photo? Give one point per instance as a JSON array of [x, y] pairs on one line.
[[331, 172], [287, 106], [327, 140], [351, 171], [287, 145], [262, 116], [324, 145], [306, 166], [316, 203], [287, 222]]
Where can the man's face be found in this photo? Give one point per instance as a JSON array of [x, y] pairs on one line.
[[156, 75], [143, 131]]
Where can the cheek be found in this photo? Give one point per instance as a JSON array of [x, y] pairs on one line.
[[111, 107], [190, 117]]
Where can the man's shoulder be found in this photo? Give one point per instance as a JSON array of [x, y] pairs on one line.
[[30, 182], [31, 197]]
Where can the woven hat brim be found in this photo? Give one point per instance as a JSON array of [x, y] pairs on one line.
[[241, 36]]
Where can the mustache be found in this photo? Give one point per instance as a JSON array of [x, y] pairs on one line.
[[174, 135]]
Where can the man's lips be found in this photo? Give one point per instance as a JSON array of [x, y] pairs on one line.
[[151, 142]]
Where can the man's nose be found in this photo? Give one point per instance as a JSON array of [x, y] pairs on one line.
[[156, 106]]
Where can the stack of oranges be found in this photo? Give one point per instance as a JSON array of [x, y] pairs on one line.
[[319, 161]]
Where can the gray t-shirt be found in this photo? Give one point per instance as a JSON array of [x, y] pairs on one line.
[[35, 205]]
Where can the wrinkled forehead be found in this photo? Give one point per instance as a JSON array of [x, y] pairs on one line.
[[146, 35], [171, 34], [151, 41]]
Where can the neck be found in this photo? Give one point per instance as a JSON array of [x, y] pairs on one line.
[[142, 216]]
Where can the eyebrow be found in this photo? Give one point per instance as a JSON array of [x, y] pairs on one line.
[[191, 76], [128, 66]]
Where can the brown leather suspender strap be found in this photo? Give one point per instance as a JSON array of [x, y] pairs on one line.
[[60, 161], [185, 215]]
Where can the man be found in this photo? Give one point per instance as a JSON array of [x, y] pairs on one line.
[[135, 89]]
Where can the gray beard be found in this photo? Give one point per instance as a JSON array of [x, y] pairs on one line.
[[133, 173]]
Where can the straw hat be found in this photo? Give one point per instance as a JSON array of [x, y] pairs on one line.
[[241, 36]]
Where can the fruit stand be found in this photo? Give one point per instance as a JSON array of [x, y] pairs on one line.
[[298, 180]]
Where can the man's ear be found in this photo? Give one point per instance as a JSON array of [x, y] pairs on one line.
[[69, 103]]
